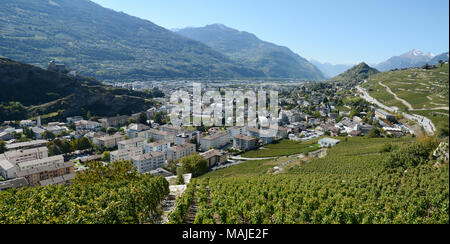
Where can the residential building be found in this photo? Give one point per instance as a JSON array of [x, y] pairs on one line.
[[172, 129], [160, 146], [87, 125], [72, 120], [244, 143], [237, 130], [27, 123], [136, 130], [26, 145], [158, 135], [147, 162], [217, 140], [180, 151], [125, 154], [187, 137], [137, 142], [37, 132], [214, 157], [114, 121], [263, 135], [328, 142], [109, 141], [6, 136], [14, 183], [46, 171], [382, 114], [25, 155]]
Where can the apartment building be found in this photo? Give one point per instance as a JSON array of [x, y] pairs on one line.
[[87, 125], [137, 142], [46, 171], [114, 121], [159, 135], [180, 151], [20, 156], [187, 137], [244, 143], [172, 129], [147, 162], [217, 140], [109, 141], [125, 154], [237, 130], [160, 146], [137, 130]]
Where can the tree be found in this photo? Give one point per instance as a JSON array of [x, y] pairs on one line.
[[54, 150], [180, 178], [48, 135], [441, 62], [106, 156], [111, 131], [194, 164], [374, 133], [2, 146], [443, 132], [142, 118], [81, 144]]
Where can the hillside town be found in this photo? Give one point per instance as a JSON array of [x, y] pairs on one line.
[[36, 154]]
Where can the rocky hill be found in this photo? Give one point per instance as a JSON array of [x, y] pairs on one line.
[[28, 91]]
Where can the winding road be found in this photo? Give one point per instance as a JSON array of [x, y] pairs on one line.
[[426, 123]]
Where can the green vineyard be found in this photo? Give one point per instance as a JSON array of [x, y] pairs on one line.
[[352, 185]]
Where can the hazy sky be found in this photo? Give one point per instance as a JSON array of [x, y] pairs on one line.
[[345, 31]]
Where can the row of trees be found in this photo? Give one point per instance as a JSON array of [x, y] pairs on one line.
[[57, 146]]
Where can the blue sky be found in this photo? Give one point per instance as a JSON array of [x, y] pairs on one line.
[[345, 31]]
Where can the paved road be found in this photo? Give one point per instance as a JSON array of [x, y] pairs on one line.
[[426, 123]]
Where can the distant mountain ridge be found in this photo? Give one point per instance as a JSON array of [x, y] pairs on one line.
[[106, 44], [331, 70], [357, 73], [411, 59], [246, 48]]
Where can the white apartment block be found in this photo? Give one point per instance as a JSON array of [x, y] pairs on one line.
[[158, 135], [109, 141], [44, 162], [147, 162], [160, 146], [180, 151], [137, 142], [217, 140], [25, 155], [126, 154]]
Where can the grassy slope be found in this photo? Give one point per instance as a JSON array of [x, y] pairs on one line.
[[423, 89], [283, 148]]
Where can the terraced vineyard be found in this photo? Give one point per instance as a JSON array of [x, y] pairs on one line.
[[350, 185], [419, 91]]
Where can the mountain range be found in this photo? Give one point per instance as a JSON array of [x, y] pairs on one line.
[[108, 45], [331, 70], [411, 59], [247, 49]]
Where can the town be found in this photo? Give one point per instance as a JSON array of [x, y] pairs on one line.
[[37, 154]]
